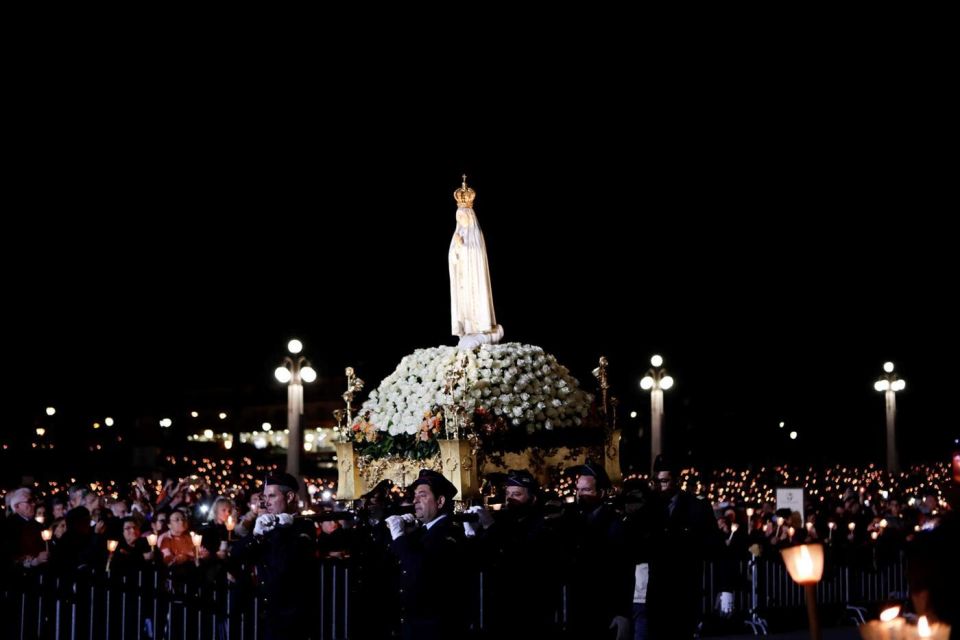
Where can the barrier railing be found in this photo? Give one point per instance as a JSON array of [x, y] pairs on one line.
[[148, 604]]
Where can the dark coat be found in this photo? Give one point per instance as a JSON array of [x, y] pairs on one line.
[[288, 576], [431, 575], [601, 571], [686, 537], [519, 556]]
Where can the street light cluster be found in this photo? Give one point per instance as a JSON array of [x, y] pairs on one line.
[[656, 382], [889, 384], [294, 371]]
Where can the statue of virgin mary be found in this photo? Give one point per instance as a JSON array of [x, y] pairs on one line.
[[471, 298]]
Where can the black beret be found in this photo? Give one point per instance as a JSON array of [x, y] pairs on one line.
[[522, 478], [591, 469], [283, 480], [382, 488], [663, 463], [437, 483]]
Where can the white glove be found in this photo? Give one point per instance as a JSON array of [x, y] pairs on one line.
[[398, 524], [622, 625], [472, 528], [726, 603], [286, 519], [265, 523]]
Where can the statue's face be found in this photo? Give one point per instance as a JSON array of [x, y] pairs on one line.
[[464, 219]]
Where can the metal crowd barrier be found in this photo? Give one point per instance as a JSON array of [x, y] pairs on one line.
[[147, 605], [847, 588]]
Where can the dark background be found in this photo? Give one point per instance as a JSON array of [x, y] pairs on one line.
[[775, 250]]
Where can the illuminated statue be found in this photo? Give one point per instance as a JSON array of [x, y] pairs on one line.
[[471, 298]]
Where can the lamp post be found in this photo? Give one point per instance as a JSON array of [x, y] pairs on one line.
[[889, 384], [656, 382], [294, 371]]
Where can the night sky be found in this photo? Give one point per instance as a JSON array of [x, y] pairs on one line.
[[775, 264]]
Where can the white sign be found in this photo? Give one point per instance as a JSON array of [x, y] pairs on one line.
[[790, 499]]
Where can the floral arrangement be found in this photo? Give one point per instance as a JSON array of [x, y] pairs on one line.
[[504, 395]]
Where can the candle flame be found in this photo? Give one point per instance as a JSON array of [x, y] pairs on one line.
[[46, 534], [152, 540], [112, 545], [230, 524], [805, 564], [923, 627], [888, 615]]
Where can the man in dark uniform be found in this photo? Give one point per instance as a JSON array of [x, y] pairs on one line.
[[600, 594], [431, 567], [517, 551], [687, 534], [284, 550]]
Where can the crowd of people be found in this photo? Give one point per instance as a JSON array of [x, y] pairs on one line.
[[590, 560]]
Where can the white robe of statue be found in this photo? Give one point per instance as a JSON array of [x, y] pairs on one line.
[[471, 298]]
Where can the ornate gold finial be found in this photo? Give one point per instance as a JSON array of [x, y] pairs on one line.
[[464, 195]]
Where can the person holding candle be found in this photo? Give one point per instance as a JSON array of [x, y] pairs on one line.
[[22, 537], [246, 523], [283, 548], [176, 544], [132, 552], [215, 531]]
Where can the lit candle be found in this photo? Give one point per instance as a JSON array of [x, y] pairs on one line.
[[831, 526], [152, 541], [111, 547], [890, 625], [779, 525], [46, 534], [790, 532], [39, 519], [749, 512], [230, 524], [733, 530], [197, 539], [923, 627]]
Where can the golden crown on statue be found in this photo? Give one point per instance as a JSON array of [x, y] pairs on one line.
[[464, 195]]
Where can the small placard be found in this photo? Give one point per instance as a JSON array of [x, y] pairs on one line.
[[790, 499]]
